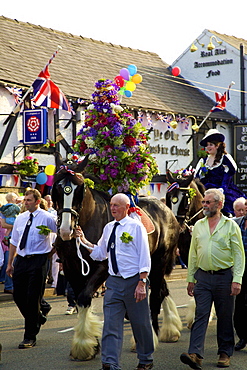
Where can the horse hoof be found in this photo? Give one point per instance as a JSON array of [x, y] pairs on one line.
[[96, 352], [80, 359]]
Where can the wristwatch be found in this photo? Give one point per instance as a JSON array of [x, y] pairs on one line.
[[144, 280]]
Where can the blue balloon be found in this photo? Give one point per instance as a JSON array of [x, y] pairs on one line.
[[128, 93], [41, 178], [132, 69]]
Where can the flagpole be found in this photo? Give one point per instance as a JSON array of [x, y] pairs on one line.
[[208, 114], [18, 105], [205, 118], [190, 138]]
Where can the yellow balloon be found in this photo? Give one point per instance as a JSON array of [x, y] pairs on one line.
[[131, 86], [50, 169], [137, 79]]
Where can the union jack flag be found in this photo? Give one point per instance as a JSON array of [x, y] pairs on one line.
[[221, 100], [46, 93], [17, 92]]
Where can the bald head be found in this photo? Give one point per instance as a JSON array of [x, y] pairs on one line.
[[120, 197], [119, 206]]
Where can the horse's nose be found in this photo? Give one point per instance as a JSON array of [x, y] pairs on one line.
[[66, 234]]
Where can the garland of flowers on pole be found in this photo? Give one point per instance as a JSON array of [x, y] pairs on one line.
[[117, 144]]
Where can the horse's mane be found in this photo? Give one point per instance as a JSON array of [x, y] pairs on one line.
[[103, 194], [200, 186], [92, 177]]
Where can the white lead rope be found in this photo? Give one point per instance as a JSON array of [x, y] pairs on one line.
[[83, 261], [196, 214]]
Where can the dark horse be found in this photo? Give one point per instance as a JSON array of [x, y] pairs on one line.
[[184, 197], [77, 203]]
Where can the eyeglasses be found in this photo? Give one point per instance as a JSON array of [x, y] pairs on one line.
[[208, 201]]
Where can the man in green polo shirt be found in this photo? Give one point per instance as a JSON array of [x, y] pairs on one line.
[[215, 270]]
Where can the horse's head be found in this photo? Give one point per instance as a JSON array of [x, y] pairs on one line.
[[67, 194], [179, 195]]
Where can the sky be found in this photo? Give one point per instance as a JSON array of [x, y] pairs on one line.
[[167, 28]]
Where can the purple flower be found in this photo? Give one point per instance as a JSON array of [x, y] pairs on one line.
[[118, 129], [106, 133], [113, 172], [92, 132], [103, 177]]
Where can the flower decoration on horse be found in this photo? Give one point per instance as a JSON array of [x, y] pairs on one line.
[[115, 142]]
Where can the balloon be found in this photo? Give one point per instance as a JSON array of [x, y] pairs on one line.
[[50, 169], [128, 93], [176, 71], [125, 74], [132, 69], [137, 79], [131, 86], [49, 181], [41, 178], [119, 80]]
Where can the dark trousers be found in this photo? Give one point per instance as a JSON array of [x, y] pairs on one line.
[[70, 296], [29, 281], [240, 313], [119, 299], [208, 289]]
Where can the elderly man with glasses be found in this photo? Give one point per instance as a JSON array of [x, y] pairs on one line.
[[215, 270]]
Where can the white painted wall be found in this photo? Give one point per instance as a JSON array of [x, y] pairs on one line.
[[220, 76], [168, 144], [7, 104]]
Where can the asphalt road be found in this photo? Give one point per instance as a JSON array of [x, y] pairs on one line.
[[54, 340]]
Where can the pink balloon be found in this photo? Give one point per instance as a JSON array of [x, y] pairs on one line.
[[49, 181], [176, 71], [125, 74]]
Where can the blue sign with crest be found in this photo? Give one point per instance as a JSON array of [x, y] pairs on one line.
[[35, 126]]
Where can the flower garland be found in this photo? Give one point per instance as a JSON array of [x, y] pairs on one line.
[[116, 143]]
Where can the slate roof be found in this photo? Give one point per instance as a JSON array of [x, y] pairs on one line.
[[231, 40], [25, 49]]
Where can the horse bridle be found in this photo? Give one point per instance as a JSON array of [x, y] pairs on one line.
[[68, 210], [67, 191], [186, 218]]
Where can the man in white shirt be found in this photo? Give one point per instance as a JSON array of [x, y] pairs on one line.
[[127, 287], [30, 265]]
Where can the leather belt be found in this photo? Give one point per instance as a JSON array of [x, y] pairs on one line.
[[31, 255], [215, 272], [121, 277]]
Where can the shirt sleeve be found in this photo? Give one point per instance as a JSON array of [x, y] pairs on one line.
[[143, 248], [51, 223], [238, 253], [192, 259], [99, 252], [198, 167]]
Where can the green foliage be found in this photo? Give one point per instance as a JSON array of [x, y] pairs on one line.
[[44, 230], [126, 237], [28, 166]]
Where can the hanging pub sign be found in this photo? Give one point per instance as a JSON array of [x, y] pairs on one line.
[[35, 126], [240, 155]]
